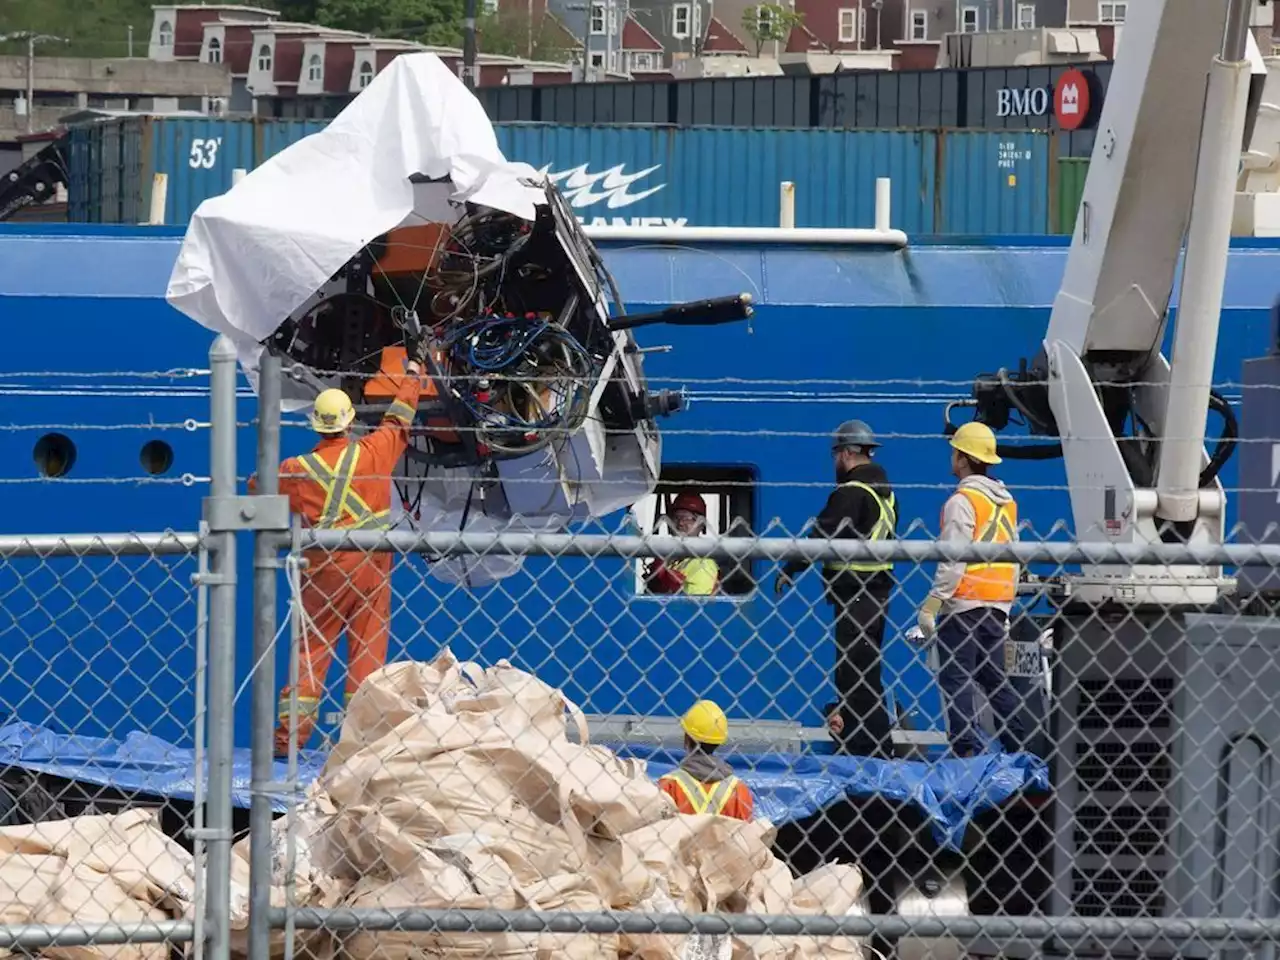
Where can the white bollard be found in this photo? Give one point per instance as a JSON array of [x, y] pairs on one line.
[[238, 174], [884, 199], [159, 194], [787, 205]]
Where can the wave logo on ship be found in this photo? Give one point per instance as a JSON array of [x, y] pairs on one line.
[[581, 188]]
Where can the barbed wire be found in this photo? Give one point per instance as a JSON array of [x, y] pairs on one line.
[[966, 383]]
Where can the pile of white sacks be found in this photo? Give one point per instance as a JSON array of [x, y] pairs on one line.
[[452, 786]]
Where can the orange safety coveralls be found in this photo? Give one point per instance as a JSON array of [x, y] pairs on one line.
[[728, 798], [344, 485]]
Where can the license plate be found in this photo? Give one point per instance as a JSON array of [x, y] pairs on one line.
[[1022, 659]]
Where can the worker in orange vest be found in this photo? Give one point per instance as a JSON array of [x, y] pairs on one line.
[[345, 484], [968, 606], [691, 576], [704, 783]]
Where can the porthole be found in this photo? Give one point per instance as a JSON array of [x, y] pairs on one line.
[[156, 457], [54, 455]]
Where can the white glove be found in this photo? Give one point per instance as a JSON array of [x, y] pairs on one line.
[[927, 618], [915, 636]]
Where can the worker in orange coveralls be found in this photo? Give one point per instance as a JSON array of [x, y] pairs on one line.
[[704, 783], [345, 484]]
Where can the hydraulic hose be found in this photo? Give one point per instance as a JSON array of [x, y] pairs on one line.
[[1029, 451], [1227, 442]]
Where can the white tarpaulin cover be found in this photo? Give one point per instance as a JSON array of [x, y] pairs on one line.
[[258, 252]]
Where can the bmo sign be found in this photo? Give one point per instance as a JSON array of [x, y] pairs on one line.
[[1070, 100], [1027, 102]]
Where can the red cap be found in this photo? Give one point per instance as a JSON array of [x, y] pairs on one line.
[[691, 502]]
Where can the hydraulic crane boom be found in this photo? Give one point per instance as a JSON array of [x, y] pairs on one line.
[[1132, 425]]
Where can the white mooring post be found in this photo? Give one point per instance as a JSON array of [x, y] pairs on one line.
[[884, 198], [787, 205], [159, 194]]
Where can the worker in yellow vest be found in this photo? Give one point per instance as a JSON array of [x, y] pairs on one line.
[[704, 783], [691, 576], [967, 609], [862, 507]]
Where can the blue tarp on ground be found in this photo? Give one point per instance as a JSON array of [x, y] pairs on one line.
[[787, 787]]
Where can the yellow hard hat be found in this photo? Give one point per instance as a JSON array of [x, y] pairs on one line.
[[976, 440], [706, 723], [333, 412]]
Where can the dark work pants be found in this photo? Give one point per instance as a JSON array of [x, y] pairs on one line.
[[971, 650], [860, 621]]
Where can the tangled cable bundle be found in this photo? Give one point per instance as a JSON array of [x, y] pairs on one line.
[[523, 379]]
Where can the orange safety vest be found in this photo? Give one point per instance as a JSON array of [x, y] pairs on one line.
[[703, 798], [994, 523]]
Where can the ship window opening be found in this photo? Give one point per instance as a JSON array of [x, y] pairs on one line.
[[728, 492], [54, 455], [156, 457]]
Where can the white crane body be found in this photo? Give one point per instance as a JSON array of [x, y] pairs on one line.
[[1131, 423]]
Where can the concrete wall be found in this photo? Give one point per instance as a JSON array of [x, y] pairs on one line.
[[118, 76], [64, 84]]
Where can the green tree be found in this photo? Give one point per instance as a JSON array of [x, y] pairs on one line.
[[770, 23], [426, 21], [513, 33], [298, 11], [95, 29]]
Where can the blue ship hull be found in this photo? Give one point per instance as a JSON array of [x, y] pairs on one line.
[[104, 647]]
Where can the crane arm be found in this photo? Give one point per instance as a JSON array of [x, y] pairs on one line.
[[1131, 424]]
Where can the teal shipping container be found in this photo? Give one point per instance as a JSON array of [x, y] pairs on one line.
[[729, 177], [995, 183], [113, 165], [944, 182]]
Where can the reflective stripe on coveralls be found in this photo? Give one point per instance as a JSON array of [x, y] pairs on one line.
[[882, 530], [701, 574], [700, 798], [993, 523], [343, 507]]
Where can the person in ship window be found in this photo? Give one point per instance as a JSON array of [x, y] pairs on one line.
[[692, 576]]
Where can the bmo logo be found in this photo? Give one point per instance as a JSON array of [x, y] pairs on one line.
[[1070, 100]]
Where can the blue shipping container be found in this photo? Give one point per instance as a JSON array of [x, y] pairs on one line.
[[995, 183], [955, 182], [273, 136], [729, 177], [113, 165]]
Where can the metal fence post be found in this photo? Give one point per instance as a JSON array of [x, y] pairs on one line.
[[222, 647], [266, 561]]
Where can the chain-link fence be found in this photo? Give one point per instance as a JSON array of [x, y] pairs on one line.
[[102, 637], [1121, 774], [533, 775], [115, 744]]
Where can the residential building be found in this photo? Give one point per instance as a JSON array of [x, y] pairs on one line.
[[681, 27], [642, 52], [279, 68]]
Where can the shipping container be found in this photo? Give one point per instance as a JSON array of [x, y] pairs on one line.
[[953, 182], [987, 98], [728, 177], [994, 183], [1071, 174], [1021, 98], [113, 164], [272, 136], [914, 98]]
